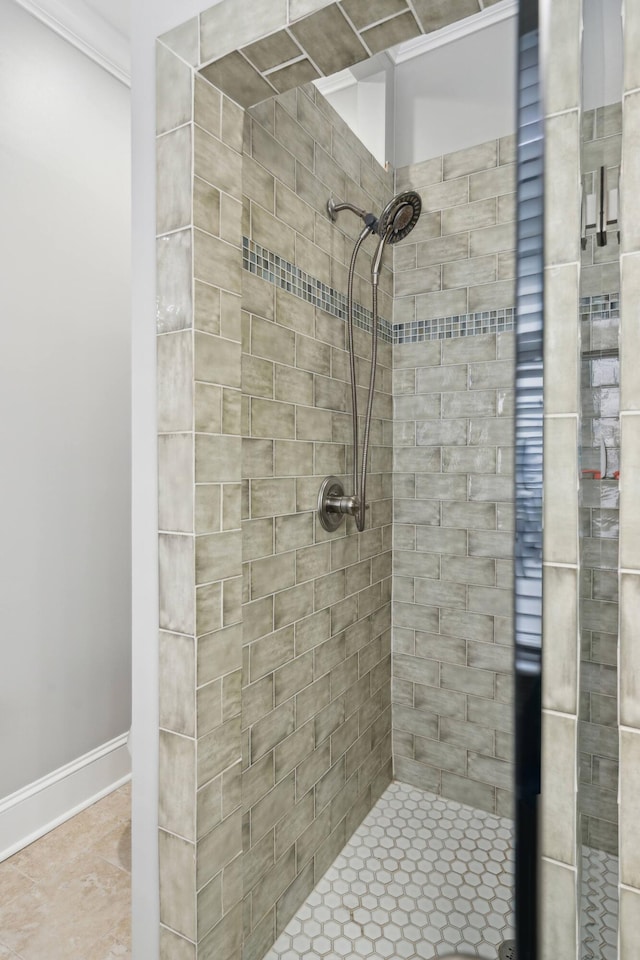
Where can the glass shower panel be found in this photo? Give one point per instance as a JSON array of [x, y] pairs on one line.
[[599, 487]]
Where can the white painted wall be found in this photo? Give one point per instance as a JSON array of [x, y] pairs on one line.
[[65, 682], [602, 53], [457, 95]]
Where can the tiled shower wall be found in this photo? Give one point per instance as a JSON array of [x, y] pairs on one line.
[[629, 579], [199, 256], [599, 501], [316, 714], [453, 485]]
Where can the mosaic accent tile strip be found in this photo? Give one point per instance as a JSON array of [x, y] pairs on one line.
[[275, 269], [604, 306], [599, 913], [421, 877], [465, 325]]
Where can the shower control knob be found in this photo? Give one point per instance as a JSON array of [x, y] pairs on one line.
[[334, 504]]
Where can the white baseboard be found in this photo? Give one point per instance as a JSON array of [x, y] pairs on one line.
[[31, 812]]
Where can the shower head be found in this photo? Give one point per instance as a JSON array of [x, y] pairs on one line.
[[396, 221], [400, 216]]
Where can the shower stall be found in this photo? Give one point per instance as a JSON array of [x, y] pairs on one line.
[[337, 511]]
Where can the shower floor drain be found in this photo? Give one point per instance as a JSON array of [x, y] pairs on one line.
[[507, 950]]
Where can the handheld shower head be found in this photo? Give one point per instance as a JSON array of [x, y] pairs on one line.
[[400, 216], [396, 221]]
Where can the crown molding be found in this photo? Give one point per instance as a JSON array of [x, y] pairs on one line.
[[86, 30], [411, 49], [497, 13], [336, 82]]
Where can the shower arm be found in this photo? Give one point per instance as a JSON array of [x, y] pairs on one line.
[[333, 209]]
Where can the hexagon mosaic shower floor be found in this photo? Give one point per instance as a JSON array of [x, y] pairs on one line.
[[420, 877]]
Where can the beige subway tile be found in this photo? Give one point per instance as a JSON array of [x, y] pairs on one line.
[[443, 250], [173, 90], [218, 556], [629, 612], [177, 883], [560, 630], [419, 174], [207, 307], [272, 341], [217, 459], [218, 750], [271, 418], [492, 240], [272, 729], [559, 772], [216, 262], [257, 458], [231, 26], [465, 273], [175, 482], [491, 296], [175, 382], [562, 189], [209, 707], [275, 158], [257, 183], [173, 180], [177, 683], [629, 807], [561, 339], [183, 40], [174, 281], [506, 266], [412, 282], [177, 776], [493, 183], [208, 608], [272, 574], [217, 163], [207, 411], [175, 947], [176, 580], [630, 291], [257, 377], [218, 653], [207, 105], [397, 30], [273, 806], [507, 149], [233, 117], [448, 303], [218, 848], [272, 233], [631, 115], [449, 193], [471, 159], [206, 206], [272, 497], [629, 918], [217, 360], [561, 482]]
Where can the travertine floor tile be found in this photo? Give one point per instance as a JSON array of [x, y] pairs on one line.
[[115, 846], [66, 842], [115, 946], [67, 896], [61, 918], [13, 883]]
